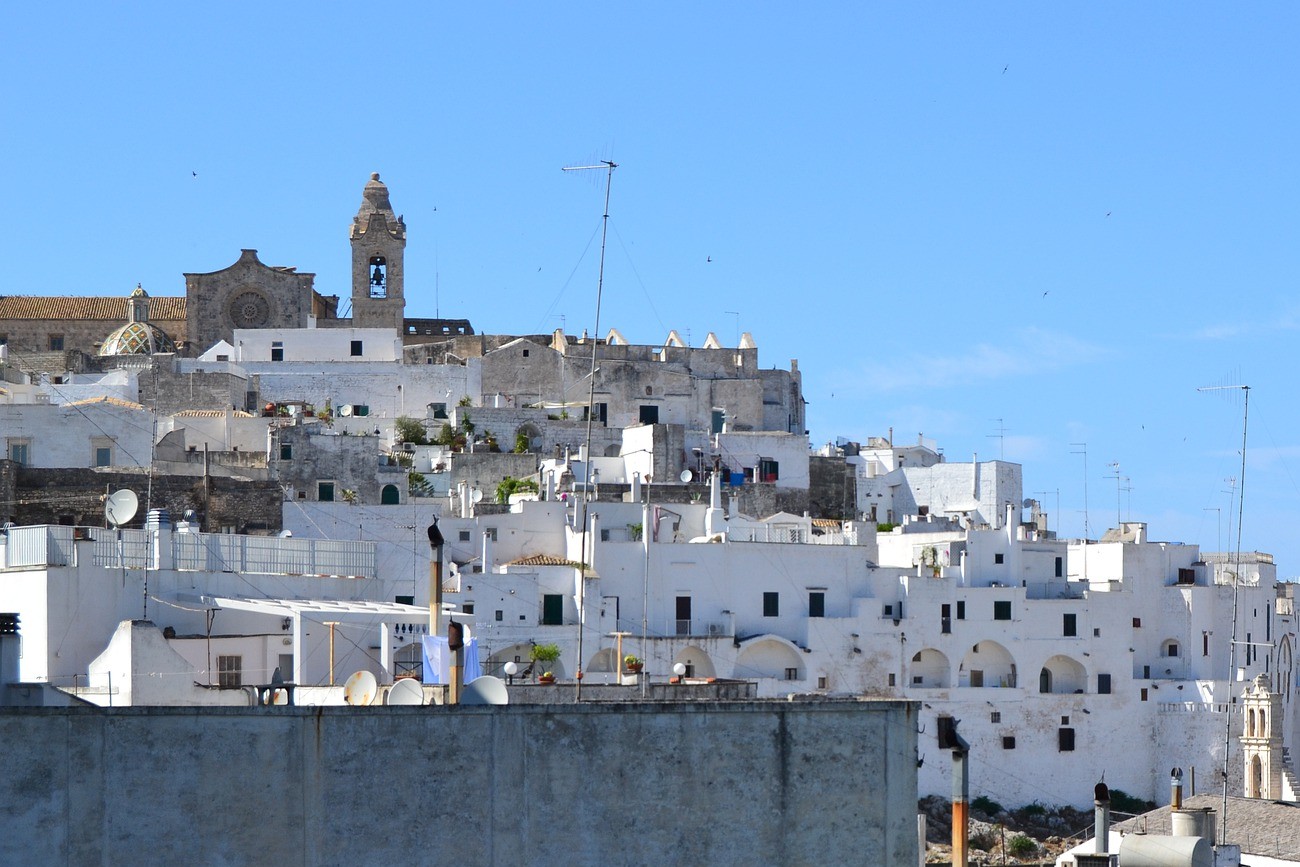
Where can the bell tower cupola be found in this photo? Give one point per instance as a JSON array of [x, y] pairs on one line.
[[378, 240]]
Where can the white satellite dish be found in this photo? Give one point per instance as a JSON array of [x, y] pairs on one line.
[[485, 690], [359, 689], [406, 691], [686, 475], [476, 496], [121, 506], [345, 410]]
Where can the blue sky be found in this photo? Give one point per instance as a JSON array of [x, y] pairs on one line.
[[1053, 220]]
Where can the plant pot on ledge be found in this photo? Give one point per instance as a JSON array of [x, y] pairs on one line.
[[635, 667], [546, 678]]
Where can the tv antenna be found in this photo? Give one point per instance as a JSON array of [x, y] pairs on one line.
[[608, 166], [1236, 580], [1001, 437], [1083, 450]]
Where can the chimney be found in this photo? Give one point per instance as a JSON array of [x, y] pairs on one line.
[[1101, 818], [486, 562], [636, 487], [1176, 789]]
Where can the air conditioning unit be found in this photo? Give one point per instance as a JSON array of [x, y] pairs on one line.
[[715, 629]]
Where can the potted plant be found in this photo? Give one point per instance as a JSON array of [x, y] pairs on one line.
[[545, 653], [633, 663]]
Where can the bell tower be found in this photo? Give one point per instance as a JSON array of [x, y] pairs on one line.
[[378, 240]]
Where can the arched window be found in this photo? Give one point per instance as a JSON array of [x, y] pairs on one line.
[[389, 496]]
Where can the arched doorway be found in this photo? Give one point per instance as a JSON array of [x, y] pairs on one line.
[[390, 496]]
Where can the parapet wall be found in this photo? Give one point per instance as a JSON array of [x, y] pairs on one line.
[[687, 783]]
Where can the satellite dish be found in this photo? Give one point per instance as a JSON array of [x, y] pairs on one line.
[[485, 690], [345, 410], [120, 507], [686, 475], [406, 691], [476, 496], [359, 689], [1028, 503]]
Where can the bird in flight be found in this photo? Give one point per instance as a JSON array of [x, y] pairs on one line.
[[709, 259], [1045, 293], [196, 174], [1005, 68]]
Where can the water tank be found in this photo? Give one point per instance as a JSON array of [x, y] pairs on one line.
[[1159, 850], [1193, 823]]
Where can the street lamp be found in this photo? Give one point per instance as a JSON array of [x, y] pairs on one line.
[[512, 668], [680, 670]]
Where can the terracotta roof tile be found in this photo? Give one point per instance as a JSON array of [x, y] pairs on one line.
[[112, 401], [161, 309], [210, 413], [543, 560]]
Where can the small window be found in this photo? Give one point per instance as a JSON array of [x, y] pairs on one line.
[[997, 559], [1144, 693], [1065, 739], [1096, 632], [552, 609], [325, 492], [286, 451], [1069, 625], [490, 532], [961, 609], [499, 615], [1065, 720], [277, 350], [221, 357], [816, 604], [468, 608], [887, 611], [439, 410], [230, 671], [103, 456], [355, 351], [1002, 609], [360, 409], [1060, 566], [1137, 622], [891, 680], [792, 674], [649, 414], [463, 535], [525, 353], [56, 343], [1103, 684], [821, 682], [771, 604], [995, 717], [1171, 649], [1008, 742]]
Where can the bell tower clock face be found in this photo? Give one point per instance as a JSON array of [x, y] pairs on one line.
[[249, 309]]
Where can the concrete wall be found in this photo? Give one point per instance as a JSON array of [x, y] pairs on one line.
[[734, 783]]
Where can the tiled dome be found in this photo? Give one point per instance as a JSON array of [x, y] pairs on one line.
[[137, 338]]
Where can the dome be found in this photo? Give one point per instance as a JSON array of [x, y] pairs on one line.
[[137, 338], [375, 195]]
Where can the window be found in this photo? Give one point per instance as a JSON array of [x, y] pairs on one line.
[[649, 414], [355, 350], [325, 492], [1137, 622], [771, 604], [792, 674], [1065, 720], [277, 350], [463, 535], [887, 611], [816, 604], [995, 717], [821, 682], [103, 456], [1060, 565], [230, 671], [891, 680], [439, 410], [1008, 742], [977, 677], [1002, 609], [56, 343], [490, 532], [768, 470], [1205, 644], [468, 608], [499, 615], [961, 609], [389, 495], [286, 451], [552, 609], [945, 618], [1096, 632], [360, 409], [1065, 739], [1103, 684], [917, 680], [997, 558], [20, 452], [1069, 626], [378, 277], [1171, 649], [1144, 693], [525, 353]]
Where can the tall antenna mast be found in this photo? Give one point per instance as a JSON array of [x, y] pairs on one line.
[[1119, 487], [1001, 437], [609, 167], [1084, 451], [1236, 581]]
